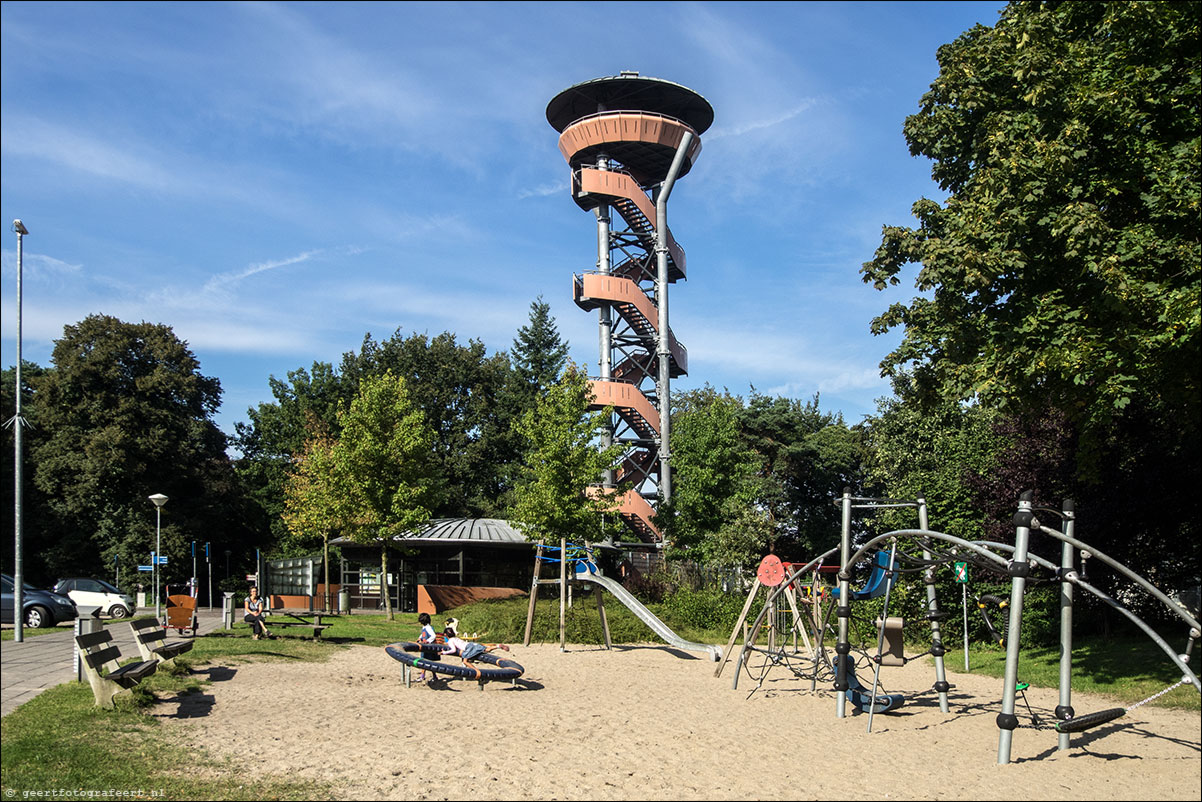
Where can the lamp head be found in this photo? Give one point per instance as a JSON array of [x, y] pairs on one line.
[[19, 227], [159, 499]]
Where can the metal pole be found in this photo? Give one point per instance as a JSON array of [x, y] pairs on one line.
[[964, 606], [158, 545], [1019, 568], [209, 563], [1065, 709], [158, 499], [842, 647], [941, 684], [18, 422], [605, 318], [663, 350]]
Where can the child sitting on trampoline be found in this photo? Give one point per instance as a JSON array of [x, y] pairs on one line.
[[468, 651]]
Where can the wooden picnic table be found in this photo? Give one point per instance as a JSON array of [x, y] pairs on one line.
[[307, 620]]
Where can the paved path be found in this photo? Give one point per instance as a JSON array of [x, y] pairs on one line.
[[43, 661]]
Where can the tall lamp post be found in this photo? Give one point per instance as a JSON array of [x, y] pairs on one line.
[[17, 422], [159, 500]]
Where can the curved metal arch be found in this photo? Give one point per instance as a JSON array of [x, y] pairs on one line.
[[1072, 577]]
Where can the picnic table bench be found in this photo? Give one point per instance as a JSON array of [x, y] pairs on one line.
[[299, 620], [153, 644], [102, 665]]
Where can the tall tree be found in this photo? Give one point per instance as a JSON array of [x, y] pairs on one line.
[[36, 538], [374, 482], [312, 497], [757, 475], [538, 354], [457, 387], [943, 454], [305, 403], [126, 413], [563, 461], [714, 479], [1064, 265]]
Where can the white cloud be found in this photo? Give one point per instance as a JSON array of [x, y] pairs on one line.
[[63, 145], [223, 280]]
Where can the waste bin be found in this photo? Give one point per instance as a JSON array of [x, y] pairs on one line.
[[344, 602], [87, 621], [227, 610]]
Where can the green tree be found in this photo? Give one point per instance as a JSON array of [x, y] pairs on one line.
[[563, 461], [1064, 265], [35, 537], [461, 391], [126, 413], [714, 477], [275, 435], [942, 454], [538, 354], [806, 457], [374, 482], [756, 476], [311, 496]]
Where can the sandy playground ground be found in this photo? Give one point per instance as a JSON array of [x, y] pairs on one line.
[[650, 722]]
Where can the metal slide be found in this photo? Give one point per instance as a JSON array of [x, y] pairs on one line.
[[648, 617]]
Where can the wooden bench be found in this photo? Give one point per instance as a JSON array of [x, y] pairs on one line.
[[102, 664], [153, 644]]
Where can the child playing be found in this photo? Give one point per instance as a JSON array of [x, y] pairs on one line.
[[469, 650], [425, 637]]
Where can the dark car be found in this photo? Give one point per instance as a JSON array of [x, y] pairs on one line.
[[43, 608]]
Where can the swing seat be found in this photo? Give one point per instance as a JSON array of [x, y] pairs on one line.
[[1090, 720], [876, 584], [861, 697], [894, 654]]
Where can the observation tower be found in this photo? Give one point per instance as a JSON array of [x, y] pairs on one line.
[[627, 139]]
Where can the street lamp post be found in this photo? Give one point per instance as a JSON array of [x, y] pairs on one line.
[[17, 422], [159, 500]]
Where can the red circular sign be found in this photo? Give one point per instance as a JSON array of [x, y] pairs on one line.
[[771, 572]]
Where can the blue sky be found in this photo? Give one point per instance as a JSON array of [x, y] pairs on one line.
[[275, 180]]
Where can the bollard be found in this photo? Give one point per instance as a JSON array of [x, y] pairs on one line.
[[87, 621], [227, 610]]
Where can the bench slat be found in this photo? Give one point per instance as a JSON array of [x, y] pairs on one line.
[[91, 640], [101, 657]]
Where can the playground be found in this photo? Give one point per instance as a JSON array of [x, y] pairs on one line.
[[651, 722]]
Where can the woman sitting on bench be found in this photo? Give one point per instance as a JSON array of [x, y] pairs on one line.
[[254, 614]]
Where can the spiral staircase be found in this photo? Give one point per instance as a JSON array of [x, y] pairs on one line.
[[627, 139]]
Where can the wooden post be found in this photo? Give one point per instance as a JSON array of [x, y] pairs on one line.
[[538, 562], [734, 633]]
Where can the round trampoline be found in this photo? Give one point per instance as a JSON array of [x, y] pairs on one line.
[[424, 657]]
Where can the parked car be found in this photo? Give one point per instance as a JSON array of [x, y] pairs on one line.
[[97, 593], [43, 608]]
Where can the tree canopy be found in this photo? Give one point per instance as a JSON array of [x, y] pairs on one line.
[[373, 482], [1064, 264], [563, 460], [125, 412]]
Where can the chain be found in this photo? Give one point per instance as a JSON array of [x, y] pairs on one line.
[[1178, 684]]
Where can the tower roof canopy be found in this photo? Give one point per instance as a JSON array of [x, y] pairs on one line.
[[630, 91]]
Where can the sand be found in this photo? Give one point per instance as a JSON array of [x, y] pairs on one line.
[[650, 722]]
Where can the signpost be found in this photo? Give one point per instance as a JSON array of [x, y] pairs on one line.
[[961, 569]]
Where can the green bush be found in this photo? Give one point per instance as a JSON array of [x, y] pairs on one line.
[[707, 608]]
